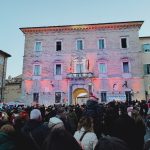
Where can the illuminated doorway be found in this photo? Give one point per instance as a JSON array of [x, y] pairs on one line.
[[80, 96]]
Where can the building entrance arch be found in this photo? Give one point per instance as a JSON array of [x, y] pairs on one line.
[[80, 96]]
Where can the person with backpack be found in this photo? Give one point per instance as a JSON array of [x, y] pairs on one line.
[[85, 134]]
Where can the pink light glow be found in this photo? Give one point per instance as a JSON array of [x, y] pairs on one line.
[[46, 85], [28, 85]]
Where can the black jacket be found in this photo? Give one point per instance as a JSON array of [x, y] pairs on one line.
[[38, 131]]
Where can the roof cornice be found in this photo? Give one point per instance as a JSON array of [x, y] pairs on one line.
[[84, 27]]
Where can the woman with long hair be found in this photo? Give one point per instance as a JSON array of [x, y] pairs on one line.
[[85, 134]]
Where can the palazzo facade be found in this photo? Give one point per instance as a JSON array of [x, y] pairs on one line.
[[64, 64]]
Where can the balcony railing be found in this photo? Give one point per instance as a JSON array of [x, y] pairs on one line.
[[80, 75]]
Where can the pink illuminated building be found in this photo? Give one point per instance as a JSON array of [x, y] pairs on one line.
[[64, 64]]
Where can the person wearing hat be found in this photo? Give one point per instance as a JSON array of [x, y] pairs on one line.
[[34, 131], [55, 122]]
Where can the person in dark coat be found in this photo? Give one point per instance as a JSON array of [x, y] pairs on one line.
[[111, 143], [7, 141], [34, 131], [60, 139], [124, 128], [140, 129], [93, 110]]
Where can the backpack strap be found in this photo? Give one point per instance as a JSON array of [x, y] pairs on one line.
[[82, 135]]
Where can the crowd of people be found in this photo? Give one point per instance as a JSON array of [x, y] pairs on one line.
[[92, 126]]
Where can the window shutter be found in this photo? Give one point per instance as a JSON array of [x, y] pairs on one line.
[[145, 69]]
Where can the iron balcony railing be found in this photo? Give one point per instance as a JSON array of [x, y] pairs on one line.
[[80, 75]]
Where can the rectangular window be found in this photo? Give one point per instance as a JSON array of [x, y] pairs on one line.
[[36, 97], [103, 96], [147, 69], [123, 42], [102, 68], [79, 44], [126, 67], [58, 45], [146, 47], [58, 69], [37, 70], [101, 44], [57, 97], [79, 68], [38, 46]]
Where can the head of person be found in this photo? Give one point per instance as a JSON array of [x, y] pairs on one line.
[[93, 97], [58, 139], [86, 123], [8, 129], [111, 143], [136, 115], [55, 122], [35, 114]]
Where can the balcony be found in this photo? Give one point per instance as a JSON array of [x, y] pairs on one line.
[[80, 75]]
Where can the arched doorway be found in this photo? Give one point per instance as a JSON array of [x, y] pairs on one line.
[[80, 96]]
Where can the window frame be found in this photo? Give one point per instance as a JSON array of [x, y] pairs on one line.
[[105, 67], [77, 44], [128, 67], [60, 96], [40, 70], [127, 42], [146, 69], [56, 69], [38, 97], [104, 92], [36, 45], [99, 43], [56, 45], [145, 49]]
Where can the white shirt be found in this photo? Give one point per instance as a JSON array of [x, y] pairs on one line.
[[89, 140]]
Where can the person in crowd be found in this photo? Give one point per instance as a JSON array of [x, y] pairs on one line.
[[55, 122], [111, 143], [72, 119], [140, 129], [85, 133], [34, 131], [60, 113], [147, 145], [7, 141], [93, 110], [60, 139], [124, 128]]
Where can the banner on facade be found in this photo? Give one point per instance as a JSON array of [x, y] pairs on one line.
[[116, 97]]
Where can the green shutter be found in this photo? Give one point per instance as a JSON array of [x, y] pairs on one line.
[[145, 69]]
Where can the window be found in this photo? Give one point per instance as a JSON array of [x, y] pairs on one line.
[[36, 97], [37, 70], [128, 96], [146, 47], [102, 68], [125, 67], [101, 44], [147, 69], [58, 45], [79, 44], [103, 96], [123, 42], [79, 68], [57, 97], [38, 46], [58, 69]]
